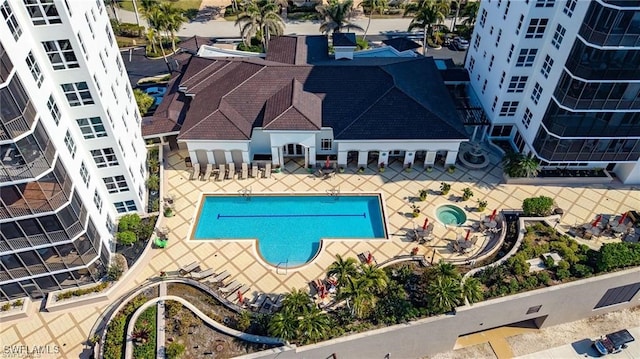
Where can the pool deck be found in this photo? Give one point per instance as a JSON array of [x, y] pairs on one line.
[[68, 329]]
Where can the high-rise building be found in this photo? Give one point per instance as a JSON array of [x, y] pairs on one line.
[[71, 154], [561, 79]]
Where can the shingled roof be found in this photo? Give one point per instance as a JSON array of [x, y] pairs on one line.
[[402, 99]]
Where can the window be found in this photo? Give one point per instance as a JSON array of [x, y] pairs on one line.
[[545, 3], [116, 184], [84, 49], [99, 5], [569, 6], [10, 19], [495, 102], [491, 62], [60, 54], [128, 91], [509, 108], [104, 157], [510, 53], [66, 4], [113, 92], [124, 122], [34, 68], [71, 144], [517, 84], [84, 173], [97, 200], [104, 64], [42, 12], [77, 94], [476, 43], [491, 31], [326, 144], [483, 17], [109, 117], [498, 37], [93, 15], [135, 153], [546, 67], [535, 309], [110, 225], [143, 172], [502, 79], [109, 36], [121, 148], [86, 16], [472, 63], [536, 28], [53, 109], [137, 116], [506, 10], [519, 24], [526, 119], [119, 64], [618, 295], [484, 87], [537, 92], [526, 57], [558, 36], [97, 83], [126, 206], [91, 127]]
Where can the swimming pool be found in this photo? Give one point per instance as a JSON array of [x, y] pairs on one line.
[[289, 227]]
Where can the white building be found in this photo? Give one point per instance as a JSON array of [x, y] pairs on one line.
[[71, 153], [561, 79]]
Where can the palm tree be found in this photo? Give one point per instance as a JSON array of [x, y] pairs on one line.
[[296, 302], [173, 20], [343, 269], [373, 277], [359, 296], [471, 12], [519, 165], [472, 290], [158, 22], [444, 294], [445, 270], [373, 6], [284, 325], [426, 13], [260, 19], [313, 325], [336, 16]]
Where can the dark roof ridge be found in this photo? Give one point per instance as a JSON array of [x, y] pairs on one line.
[[365, 111], [183, 134], [262, 67], [224, 67]]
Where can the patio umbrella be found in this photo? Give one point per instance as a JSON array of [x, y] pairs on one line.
[[466, 238], [369, 258], [595, 223], [327, 163], [624, 216], [493, 215], [424, 225]]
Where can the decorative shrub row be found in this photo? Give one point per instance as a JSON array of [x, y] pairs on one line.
[[116, 331], [79, 292]]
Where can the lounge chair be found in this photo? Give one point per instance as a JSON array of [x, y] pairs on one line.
[[188, 268], [207, 172], [259, 301], [196, 171], [221, 173], [255, 173], [232, 171], [202, 274], [245, 171], [233, 296], [219, 278], [230, 287], [267, 170], [367, 257]]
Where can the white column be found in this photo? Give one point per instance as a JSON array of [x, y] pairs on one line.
[[245, 157], [211, 158], [275, 156], [342, 158], [194, 157], [228, 157], [409, 158], [312, 156], [475, 130], [430, 158], [451, 158], [363, 156], [383, 157]]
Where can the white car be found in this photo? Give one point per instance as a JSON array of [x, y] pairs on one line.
[[460, 43]]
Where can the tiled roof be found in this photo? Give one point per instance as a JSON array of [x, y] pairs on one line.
[[193, 43], [298, 50], [344, 39], [401, 44], [402, 98]]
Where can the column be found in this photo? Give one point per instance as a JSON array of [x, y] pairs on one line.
[[363, 156], [409, 158], [451, 158], [312, 155], [383, 157], [193, 156], [306, 157], [430, 158], [342, 158], [228, 157], [211, 158], [275, 156], [475, 130], [245, 157]]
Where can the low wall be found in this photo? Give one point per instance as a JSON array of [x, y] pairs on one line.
[[559, 304], [15, 313], [54, 305], [538, 181]]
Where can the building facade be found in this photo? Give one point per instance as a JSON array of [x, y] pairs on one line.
[[71, 153], [561, 79]]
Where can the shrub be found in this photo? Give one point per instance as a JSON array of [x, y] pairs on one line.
[[116, 329], [562, 273], [518, 264], [80, 292], [445, 188], [5, 307], [467, 193], [126, 237], [482, 205], [129, 222], [143, 100], [581, 270], [549, 262], [153, 182], [18, 303], [423, 194], [544, 277], [617, 255], [537, 206], [174, 350]]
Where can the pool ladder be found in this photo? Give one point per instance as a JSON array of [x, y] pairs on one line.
[[279, 267], [245, 192], [334, 191]]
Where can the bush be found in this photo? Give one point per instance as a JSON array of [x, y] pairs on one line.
[[80, 292], [143, 100], [129, 222], [617, 255], [116, 330], [445, 188], [127, 237], [544, 277], [146, 325], [174, 350], [537, 206], [18, 303], [153, 182], [581, 270], [126, 29], [5, 307]]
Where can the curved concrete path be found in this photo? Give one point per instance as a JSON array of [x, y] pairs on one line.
[[210, 322]]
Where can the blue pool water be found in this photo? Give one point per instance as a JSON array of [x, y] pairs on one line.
[[289, 228]]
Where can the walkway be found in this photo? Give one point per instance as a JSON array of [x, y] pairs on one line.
[[160, 326]]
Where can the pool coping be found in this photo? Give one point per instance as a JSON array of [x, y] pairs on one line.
[[254, 241]]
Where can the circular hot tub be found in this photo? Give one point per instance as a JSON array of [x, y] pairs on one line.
[[451, 215]]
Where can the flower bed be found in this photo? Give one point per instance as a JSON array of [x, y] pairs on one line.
[[144, 334]]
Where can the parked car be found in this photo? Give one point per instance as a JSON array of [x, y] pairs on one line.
[[613, 343], [460, 43]]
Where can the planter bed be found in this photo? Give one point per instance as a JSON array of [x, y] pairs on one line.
[[603, 178]]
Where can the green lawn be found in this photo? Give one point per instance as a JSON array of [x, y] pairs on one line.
[[180, 4]]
